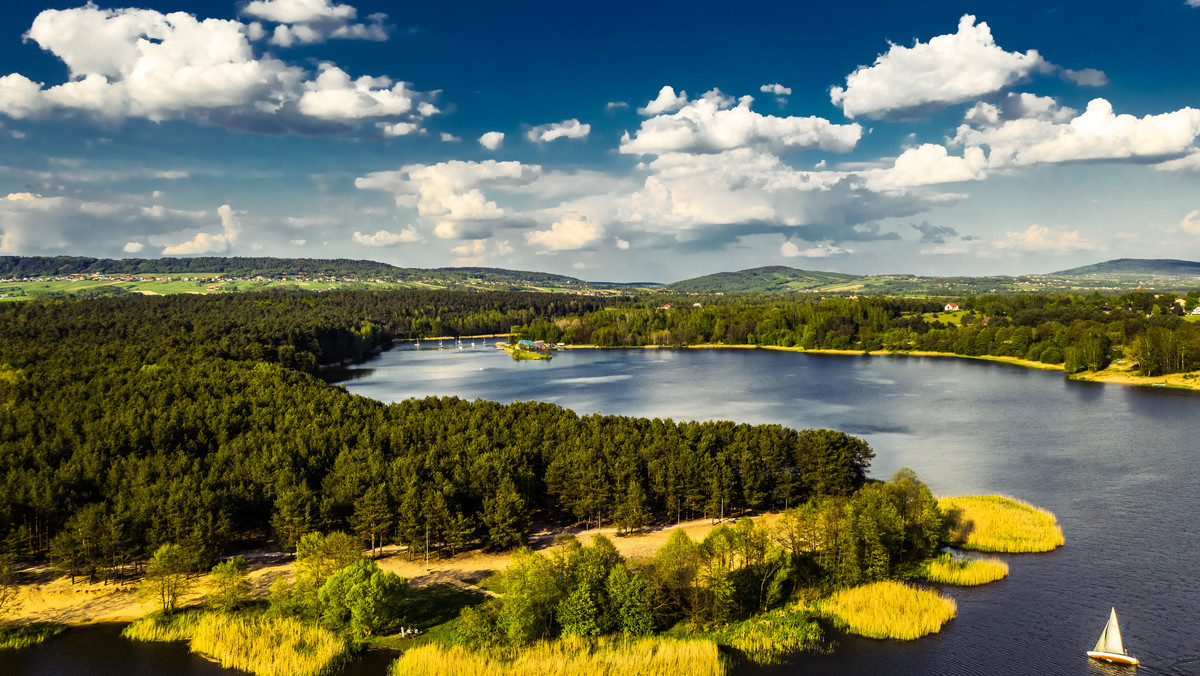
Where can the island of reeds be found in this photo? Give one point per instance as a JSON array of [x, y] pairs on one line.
[[148, 442], [995, 523]]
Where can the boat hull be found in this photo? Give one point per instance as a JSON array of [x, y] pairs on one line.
[[1115, 658]]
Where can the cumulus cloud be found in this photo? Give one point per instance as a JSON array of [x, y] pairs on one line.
[[311, 21], [145, 64], [1189, 163], [492, 140], [1096, 134], [132, 247], [1018, 107], [545, 133], [948, 69], [205, 242], [776, 89], [450, 138], [622, 244], [929, 164], [567, 234], [713, 124], [1040, 239], [470, 253], [1086, 77], [616, 105], [666, 102], [408, 235], [1191, 223]]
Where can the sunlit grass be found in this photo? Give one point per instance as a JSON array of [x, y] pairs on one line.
[[569, 657], [946, 569], [889, 610], [259, 644], [269, 646], [25, 635], [994, 523], [771, 637]]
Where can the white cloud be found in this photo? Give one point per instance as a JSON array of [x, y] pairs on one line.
[[399, 129], [622, 244], [298, 242], [312, 21], [171, 175], [568, 234], [470, 253], [205, 242], [1018, 107], [132, 247], [451, 191], [1189, 163], [145, 64], [666, 102], [929, 164], [616, 105], [1191, 223], [776, 89], [492, 140], [1097, 134], [334, 96], [1040, 239], [545, 133], [713, 124], [946, 70], [450, 138], [791, 250], [384, 238], [1086, 77], [1193, 3], [503, 248]]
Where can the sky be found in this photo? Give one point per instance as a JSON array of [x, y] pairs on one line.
[[616, 141]]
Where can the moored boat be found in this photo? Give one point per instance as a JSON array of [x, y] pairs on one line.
[[1110, 648]]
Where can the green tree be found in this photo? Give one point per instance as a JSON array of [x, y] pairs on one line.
[[293, 516], [166, 579], [505, 516], [372, 518], [629, 596], [364, 598], [229, 585], [319, 556]]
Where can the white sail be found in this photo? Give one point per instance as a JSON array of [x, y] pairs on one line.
[[1110, 638]]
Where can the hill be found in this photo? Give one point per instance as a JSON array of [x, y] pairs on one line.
[[1120, 267], [771, 279]]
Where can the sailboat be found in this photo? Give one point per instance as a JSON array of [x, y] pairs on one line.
[[1109, 648]]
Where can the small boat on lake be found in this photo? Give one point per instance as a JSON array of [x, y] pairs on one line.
[[1109, 648]]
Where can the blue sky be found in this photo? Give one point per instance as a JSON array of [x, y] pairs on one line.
[[647, 141]]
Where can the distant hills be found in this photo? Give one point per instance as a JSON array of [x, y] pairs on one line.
[[1124, 274], [1136, 266], [771, 279]]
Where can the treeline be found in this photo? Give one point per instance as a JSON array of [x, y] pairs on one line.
[[128, 424], [732, 574], [1080, 332]]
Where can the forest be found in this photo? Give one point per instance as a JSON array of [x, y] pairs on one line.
[[128, 424]]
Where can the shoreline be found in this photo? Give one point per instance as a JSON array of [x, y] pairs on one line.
[[1116, 373]]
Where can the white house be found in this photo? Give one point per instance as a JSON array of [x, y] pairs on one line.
[[951, 307]]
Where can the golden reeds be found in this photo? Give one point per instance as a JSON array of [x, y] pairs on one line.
[[995, 523], [569, 657], [965, 572], [261, 644], [889, 610]]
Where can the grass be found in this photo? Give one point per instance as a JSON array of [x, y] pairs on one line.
[[994, 523], [25, 635], [947, 569], [434, 609], [254, 642], [889, 610], [569, 657]]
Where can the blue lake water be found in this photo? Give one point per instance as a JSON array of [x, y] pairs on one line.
[[1116, 464]]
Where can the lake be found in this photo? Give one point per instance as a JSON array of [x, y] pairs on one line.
[[1116, 464]]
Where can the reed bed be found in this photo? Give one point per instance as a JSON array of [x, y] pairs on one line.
[[771, 637], [568, 657], [889, 610], [946, 569], [25, 635], [269, 646], [159, 627], [260, 644], [996, 523]]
